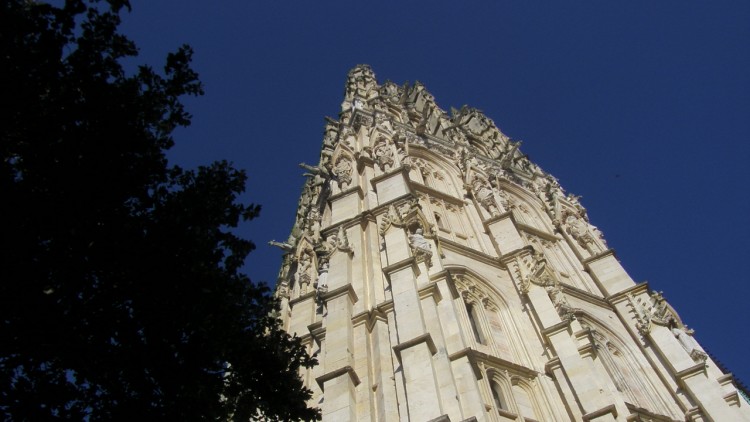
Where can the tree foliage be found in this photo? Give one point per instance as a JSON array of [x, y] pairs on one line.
[[121, 295]]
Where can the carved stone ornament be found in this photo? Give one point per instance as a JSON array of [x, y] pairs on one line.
[[342, 241], [390, 92], [362, 120], [540, 274], [654, 309], [392, 217], [472, 293], [484, 194], [304, 268], [312, 225], [360, 82], [282, 291], [320, 173], [383, 155], [321, 287], [685, 336], [563, 308], [330, 136], [586, 234], [343, 172]]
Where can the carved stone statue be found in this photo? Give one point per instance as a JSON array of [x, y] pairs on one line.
[[322, 283], [689, 344], [329, 139], [484, 194], [420, 246], [587, 235], [303, 272], [341, 240], [313, 225]]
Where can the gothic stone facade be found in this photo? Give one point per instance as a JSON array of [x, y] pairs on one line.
[[438, 274]]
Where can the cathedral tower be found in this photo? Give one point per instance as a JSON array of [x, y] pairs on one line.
[[438, 274]]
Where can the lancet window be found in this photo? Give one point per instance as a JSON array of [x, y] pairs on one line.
[[473, 322], [483, 321], [626, 374], [497, 396], [513, 394]]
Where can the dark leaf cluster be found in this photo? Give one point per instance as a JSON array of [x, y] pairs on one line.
[[121, 291]]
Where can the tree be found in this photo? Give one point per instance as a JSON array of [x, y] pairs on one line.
[[121, 294]]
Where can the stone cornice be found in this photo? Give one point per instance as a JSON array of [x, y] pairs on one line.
[[302, 298], [317, 331], [552, 365], [623, 295], [369, 318], [608, 252], [600, 412], [536, 232], [353, 189], [467, 251], [346, 370], [476, 357], [585, 296], [398, 170], [419, 187], [697, 369], [385, 307], [346, 289], [400, 265], [555, 329], [430, 290], [423, 338], [496, 218], [510, 256]]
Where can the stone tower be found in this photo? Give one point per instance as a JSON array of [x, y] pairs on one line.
[[438, 274]]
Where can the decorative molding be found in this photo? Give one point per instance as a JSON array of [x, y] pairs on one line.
[[423, 338], [600, 412], [346, 370], [347, 290]]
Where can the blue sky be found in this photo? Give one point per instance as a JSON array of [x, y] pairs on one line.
[[641, 107]]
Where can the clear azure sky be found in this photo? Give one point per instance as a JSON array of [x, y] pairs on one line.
[[641, 107]]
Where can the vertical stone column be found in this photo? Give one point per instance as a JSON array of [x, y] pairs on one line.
[[384, 389], [340, 379], [415, 348]]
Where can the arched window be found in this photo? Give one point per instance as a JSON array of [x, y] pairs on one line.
[[497, 396], [439, 222], [474, 322], [524, 401]]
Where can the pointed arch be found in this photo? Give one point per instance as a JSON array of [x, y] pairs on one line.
[[492, 314], [442, 174], [628, 374], [526, 399]]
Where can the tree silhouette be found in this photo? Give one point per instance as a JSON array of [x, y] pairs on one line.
[[121, 295]]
